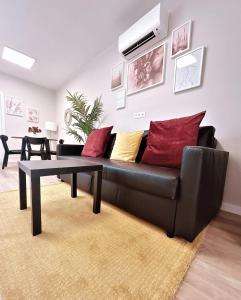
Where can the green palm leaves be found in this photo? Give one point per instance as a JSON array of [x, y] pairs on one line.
[[84, 115]]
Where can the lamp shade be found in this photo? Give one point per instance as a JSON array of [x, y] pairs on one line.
[[51, 126]]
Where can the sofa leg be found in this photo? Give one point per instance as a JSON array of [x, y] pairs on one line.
[[170, 234]]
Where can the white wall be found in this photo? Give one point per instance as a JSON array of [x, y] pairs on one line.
[[215, 26], [33, 96]]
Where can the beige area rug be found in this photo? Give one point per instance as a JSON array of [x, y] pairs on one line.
[[81, 255]]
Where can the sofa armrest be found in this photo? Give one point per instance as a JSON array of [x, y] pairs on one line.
[[202, 180], [69, 149]]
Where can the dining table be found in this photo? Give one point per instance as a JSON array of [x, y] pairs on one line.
[[23, 146]]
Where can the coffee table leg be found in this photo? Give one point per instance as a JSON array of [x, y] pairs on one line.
[[22, 189], [97, 191], [74, 185], [36, 205]]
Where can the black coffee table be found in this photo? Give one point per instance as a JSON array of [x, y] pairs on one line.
[[38, 168]]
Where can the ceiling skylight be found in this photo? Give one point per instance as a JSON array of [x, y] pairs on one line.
[[17, 58]]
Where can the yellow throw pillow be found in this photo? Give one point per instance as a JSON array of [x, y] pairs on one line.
[[126, 146]]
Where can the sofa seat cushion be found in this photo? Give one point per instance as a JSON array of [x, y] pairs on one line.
[[155, 180]]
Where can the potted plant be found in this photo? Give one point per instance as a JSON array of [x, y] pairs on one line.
[[84, 115]]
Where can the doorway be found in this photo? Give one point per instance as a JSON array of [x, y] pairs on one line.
[[2, 123]]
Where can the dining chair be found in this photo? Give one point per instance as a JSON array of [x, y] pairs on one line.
[[43, 151], [7, 152]]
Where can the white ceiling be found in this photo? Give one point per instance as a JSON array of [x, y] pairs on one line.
[[62, 35]]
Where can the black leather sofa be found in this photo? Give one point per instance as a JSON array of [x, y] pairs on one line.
[[181, 201]]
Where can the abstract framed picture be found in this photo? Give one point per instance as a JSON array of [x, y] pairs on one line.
[[188, 70], [181, 39], [32, 115], [147, 70], [14, 106], [117, 76]]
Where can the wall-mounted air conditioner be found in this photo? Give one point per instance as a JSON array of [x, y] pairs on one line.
[[147, 31]]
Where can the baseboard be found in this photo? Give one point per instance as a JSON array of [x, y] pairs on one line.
[[235, 209]]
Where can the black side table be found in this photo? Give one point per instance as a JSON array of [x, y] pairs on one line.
[[36, 169]]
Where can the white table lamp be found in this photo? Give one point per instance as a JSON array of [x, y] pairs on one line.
[[51, 126]]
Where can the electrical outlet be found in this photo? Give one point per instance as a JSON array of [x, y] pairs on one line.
[[139, 115]]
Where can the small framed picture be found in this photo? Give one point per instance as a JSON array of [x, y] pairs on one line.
[[117, 76], [120, 96], [188, 70], [181, 39], [32, 115], [147, 70]]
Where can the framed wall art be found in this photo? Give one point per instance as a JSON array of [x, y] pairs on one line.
[[120, 96], [188, 70], [117, 76], [14, 106], [147, 70], [181, 39], [32, 115]]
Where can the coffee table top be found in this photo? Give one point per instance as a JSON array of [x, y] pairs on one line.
[[55, 167]]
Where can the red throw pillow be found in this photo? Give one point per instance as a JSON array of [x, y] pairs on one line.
[[166, 140], [96, 143]]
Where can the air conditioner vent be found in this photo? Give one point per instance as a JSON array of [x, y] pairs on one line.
[[138, 44], [144, 33]]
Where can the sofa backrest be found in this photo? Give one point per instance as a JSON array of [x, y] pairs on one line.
[[205, 138]]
